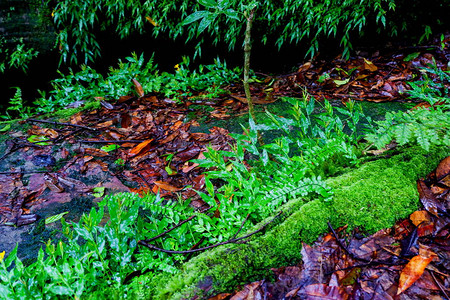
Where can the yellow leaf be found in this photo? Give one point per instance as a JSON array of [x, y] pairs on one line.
[[368, 65], [152, 21], [2, 255]]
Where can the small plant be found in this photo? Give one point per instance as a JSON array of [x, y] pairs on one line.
[[120, 162], [17, 106], [88, 85], [224, 8]]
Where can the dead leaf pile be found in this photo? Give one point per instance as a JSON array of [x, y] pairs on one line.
[[138, 144], [408, 261]]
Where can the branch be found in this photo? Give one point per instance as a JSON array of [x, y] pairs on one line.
[[234, 240], [63, 124], [169, 230]]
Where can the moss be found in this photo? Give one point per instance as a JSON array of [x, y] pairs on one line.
[[371, 197]]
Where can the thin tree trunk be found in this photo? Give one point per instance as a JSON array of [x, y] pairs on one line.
[[247, 50]]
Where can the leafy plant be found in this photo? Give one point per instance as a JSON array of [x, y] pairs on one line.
[[223, 7], [17, 106], [434, 88], [91, 259], [422, 126], [278, 23], [90, 86], [15, 58]]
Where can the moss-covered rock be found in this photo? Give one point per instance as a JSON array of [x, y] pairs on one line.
[[371, 197]]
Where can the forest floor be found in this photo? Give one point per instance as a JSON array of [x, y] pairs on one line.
[[144, 143]]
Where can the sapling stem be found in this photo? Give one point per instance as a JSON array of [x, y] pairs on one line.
[[247, 50]]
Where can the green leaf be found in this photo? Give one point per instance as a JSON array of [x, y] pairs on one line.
[[195, 16], [98, 191], [208, 3], [411, 56], [61, 290], [55, 218], [6, 128], [37, 138], [341, 82], [109, 148], [205, 22], [231, 13]]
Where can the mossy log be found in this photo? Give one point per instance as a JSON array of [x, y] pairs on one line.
[[371, 197]]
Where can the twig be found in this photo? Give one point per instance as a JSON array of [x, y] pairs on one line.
[[169, 230], [242, 225], [342, 245], [112, 141], [439, 285], [212, 246], [21, 172], [63, 124]]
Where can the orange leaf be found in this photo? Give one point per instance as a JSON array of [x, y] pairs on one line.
[[419, 216], [138, 88], [166, 186], [140, 147], [152, 21], [412, 271]]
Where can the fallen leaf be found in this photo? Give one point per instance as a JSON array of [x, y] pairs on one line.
[[443, 169], [166, 186], [138, 88], [412, 271], [140, 148], [419, 216], [368, 65]]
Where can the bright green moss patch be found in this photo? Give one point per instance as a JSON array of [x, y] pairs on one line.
[[371, 197]]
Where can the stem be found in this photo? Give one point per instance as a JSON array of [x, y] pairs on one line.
[[247, 50]]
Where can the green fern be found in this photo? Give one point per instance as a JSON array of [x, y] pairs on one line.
[[424, 127]]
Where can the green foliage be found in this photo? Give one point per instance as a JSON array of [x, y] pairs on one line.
[[279, 22], [243, 187], [422, 126], [87, 86], [434, 88], [18, 58], [17, 106], [91, 259]]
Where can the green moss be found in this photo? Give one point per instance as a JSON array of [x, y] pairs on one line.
[[371, 197]]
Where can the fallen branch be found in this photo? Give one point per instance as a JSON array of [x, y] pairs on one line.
[[111, 141], [169, 230], [233, 240], [62, 124]]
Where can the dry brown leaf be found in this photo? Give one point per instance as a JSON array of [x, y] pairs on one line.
[[95, 152], [138, 88], [443, 169], [368, 65], [166, 186]]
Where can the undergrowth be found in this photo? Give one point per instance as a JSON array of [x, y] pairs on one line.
[[88, 87], [243, 186]]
